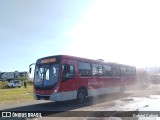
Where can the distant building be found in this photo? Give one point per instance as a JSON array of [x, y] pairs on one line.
[[155, 78], [12, 75], [22, 74]]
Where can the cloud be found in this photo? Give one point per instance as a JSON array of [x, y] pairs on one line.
[[120, 31]]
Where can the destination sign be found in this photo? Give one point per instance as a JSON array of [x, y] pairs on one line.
[[48, 60]]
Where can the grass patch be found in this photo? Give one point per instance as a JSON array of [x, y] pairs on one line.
[[16, 94], [3, 84]]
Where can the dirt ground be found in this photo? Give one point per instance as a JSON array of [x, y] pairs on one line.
[[130, 100]]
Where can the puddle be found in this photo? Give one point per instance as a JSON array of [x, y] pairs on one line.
[[146, 106], [151, 106], [127, 99], [142, 105], [151, 109], [154, 96]]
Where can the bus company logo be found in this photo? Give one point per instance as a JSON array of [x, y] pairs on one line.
[[93, 82], [6, 114]]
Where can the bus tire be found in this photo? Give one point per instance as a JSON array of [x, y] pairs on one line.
[[81, 96]]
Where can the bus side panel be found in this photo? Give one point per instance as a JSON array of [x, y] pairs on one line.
[[103, 85]]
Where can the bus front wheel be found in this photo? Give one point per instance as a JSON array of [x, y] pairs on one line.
[[81, 96]]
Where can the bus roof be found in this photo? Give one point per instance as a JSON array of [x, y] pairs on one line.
[[84, 59]]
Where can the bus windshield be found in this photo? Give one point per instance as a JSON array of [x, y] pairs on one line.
[[46, 74]]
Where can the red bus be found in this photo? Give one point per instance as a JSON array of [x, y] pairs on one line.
[[63, 77]]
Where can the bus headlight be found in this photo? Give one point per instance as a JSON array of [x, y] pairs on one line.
[[56, 90]]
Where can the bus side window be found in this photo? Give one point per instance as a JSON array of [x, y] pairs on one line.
[[84, 69], [116, 71], [68, 72], [129, 71], [134, 71], [97, 70], [123, 71], [107, 70]]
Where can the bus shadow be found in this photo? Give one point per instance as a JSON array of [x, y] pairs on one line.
[[53, 108]]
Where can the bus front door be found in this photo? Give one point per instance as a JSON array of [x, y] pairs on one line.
[[68, 79]]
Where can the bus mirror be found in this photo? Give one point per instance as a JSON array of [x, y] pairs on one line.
[[30, 70]]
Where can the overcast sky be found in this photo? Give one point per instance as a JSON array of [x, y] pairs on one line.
[[125, 31]]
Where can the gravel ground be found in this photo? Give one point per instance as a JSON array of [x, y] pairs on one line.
[[129, 101]]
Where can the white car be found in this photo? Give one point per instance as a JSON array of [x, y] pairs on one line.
[[14, 83]]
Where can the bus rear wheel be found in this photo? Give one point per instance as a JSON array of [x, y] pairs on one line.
[[81, 96]]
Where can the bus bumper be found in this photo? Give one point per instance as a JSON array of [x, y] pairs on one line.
[[52, 97]]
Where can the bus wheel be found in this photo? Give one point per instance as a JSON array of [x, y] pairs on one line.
[[81, 96]]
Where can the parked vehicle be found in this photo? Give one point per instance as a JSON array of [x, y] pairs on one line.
[[14, 83]]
